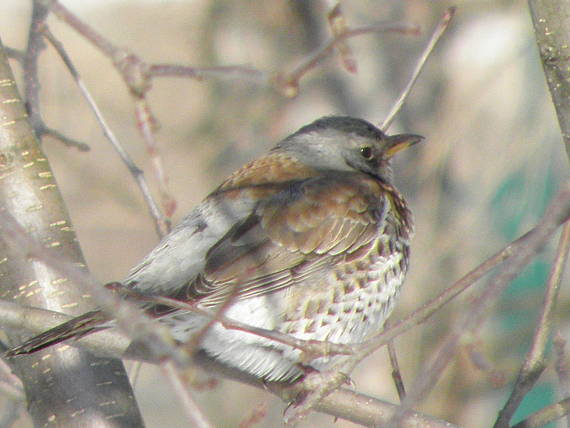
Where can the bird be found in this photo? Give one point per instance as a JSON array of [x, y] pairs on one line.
[[311, 240]]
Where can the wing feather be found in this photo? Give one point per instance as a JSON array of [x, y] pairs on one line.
[[298, 233]]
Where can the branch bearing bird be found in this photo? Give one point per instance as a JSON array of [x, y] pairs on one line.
[[311, 240]]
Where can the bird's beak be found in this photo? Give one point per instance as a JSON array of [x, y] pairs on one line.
[[400, 142]]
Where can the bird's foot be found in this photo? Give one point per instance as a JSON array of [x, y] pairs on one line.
[[313, 387]]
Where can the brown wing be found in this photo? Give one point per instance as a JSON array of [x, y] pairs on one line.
[[298, 233]]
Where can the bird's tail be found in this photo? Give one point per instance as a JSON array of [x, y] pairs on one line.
[[74, 328]]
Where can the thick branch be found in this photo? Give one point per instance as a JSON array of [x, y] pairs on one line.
[[551, 19], [60, 386]]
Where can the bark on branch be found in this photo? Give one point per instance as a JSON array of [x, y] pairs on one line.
[[70, 388]]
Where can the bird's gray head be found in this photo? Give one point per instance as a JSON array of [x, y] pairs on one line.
[[342, 143]]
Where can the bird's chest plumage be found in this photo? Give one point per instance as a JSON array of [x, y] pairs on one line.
[[354, 296]]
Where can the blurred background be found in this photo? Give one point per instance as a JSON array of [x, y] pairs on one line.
[[492, 161]]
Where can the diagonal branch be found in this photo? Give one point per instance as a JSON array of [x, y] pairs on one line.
[[439, 31], [135, 171]]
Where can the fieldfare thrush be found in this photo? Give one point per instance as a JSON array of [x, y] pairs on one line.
[[310, 240]]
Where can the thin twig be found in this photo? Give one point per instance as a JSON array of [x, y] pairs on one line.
[[396, 373], [146, 124], [194, 413], [135, 372], [135, 74], [439, 31], [534, 363], [562, 367], [81, 27], [215, 317], [30, 66], [69, 142], [15, 54], [242, 72], [288, 83], [338, 26], [135, 171]]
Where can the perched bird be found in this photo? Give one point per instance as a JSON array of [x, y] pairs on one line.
[[310, 240]]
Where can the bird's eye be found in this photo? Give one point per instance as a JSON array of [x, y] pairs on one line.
[[366, 152]]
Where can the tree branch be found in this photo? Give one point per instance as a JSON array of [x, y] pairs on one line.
[[28, 192], [551, 20]]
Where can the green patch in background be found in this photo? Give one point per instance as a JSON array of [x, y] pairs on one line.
[[519, 203], [537, 398]]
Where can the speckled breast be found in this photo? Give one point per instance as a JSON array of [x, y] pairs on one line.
[[355, 299]]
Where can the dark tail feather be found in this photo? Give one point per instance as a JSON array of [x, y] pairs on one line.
[[74, 328]]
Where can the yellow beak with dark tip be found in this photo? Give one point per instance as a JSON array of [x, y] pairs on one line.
[[397, 143]]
